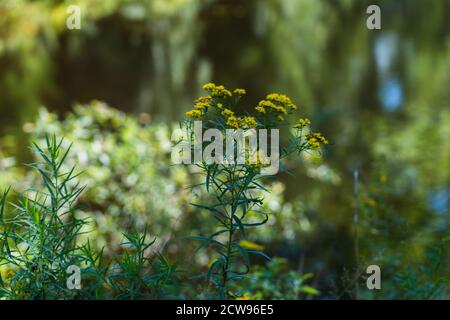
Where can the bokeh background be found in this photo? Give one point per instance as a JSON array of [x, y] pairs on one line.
[[380, 193]]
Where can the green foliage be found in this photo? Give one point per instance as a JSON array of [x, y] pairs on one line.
[[137, 276], [42, 238], [337, 75], [41, 241], [126, 164], [414, 266], [431, 280], [276, 281]]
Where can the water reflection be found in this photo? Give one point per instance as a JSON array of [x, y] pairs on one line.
[[391, 94]]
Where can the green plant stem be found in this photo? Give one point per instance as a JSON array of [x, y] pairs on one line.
[[230, 239]]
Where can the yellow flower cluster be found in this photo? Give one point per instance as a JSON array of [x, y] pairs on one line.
[[200, 108], [282, 99], [209, 86], [315, 140], [217, 91], [302, 122], [260, 109], [249, 122], [240, 92], [276, 104], [195, 114], [279, 104], [233, 122], [238, 122], [227, 113], [265, 105], [202, 103]]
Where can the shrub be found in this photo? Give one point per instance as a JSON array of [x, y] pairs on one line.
[[41, 241], [126, 166]]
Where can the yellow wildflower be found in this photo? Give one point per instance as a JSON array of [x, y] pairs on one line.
[[194, 114], [250, 122], [280, 109], [217, 91], [281, 98], [240, 91], [266, 104], [321, 138], [209, 86], [260, 109], [227, 113], [302, 122], [201, 106], [315, 140], [205, 99], [313, 143], [219, 105], [221, 92], [233, 122]]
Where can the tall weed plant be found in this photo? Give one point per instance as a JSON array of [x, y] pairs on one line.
[[237, 189]]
